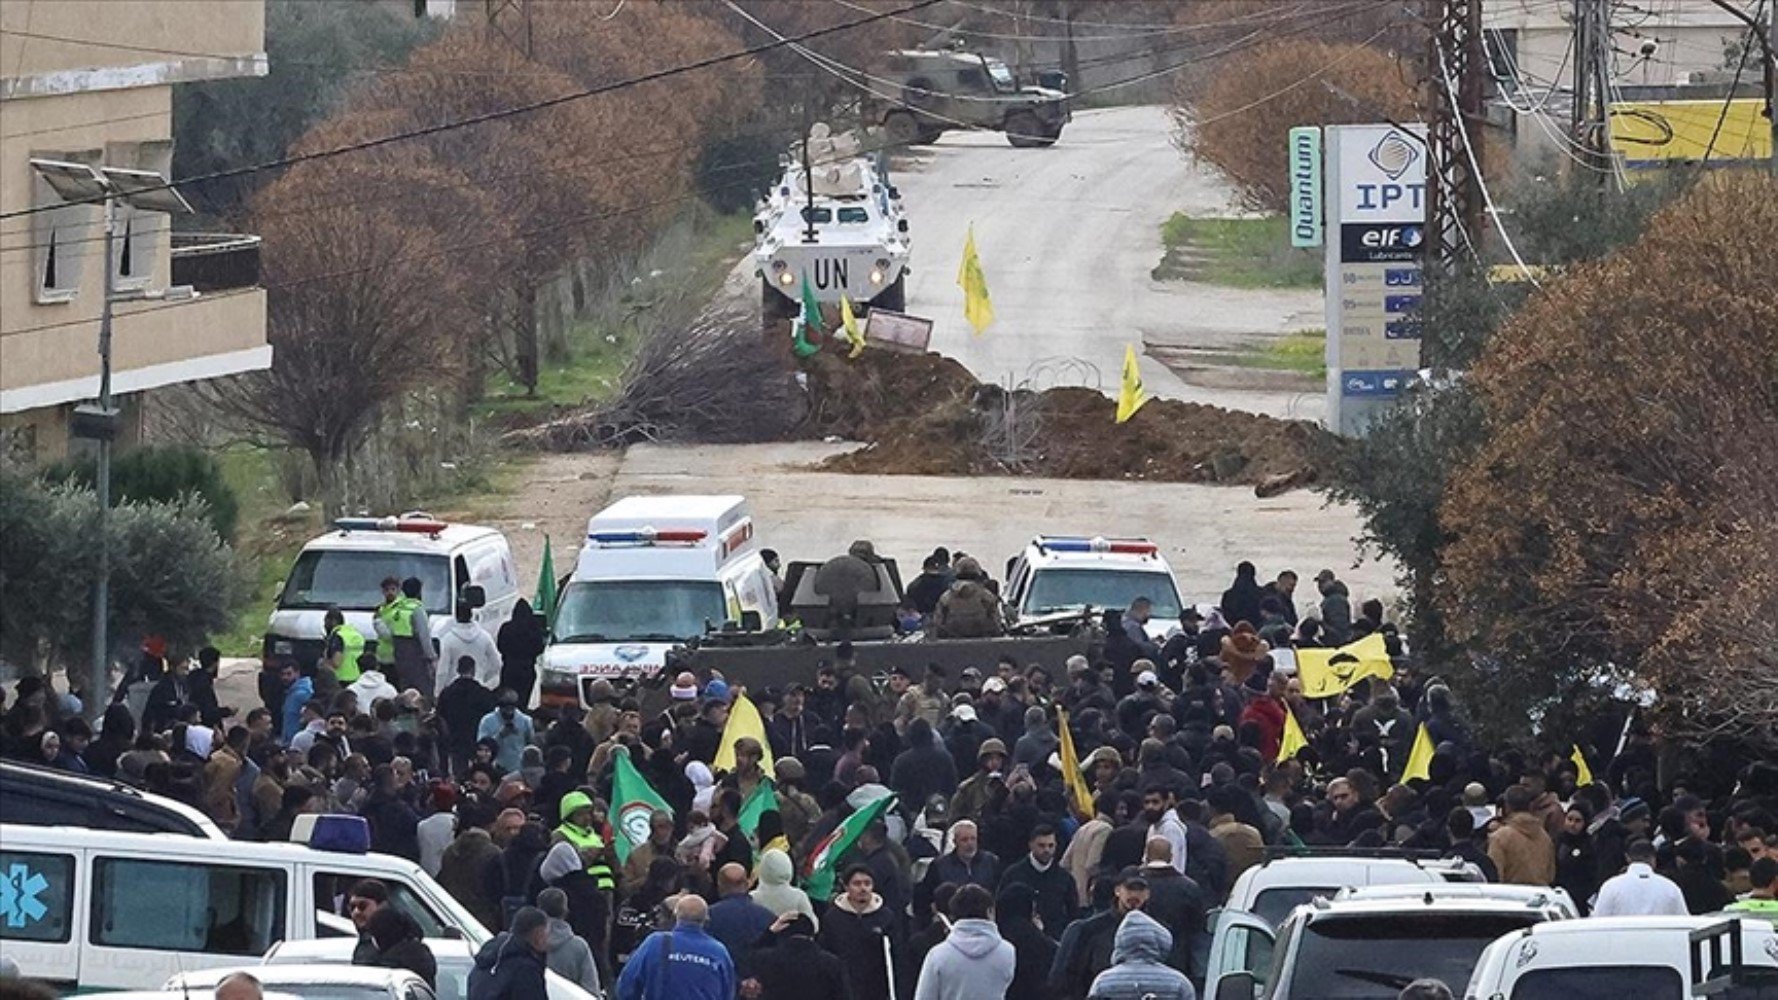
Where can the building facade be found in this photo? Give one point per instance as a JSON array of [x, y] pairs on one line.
[[93, 83]]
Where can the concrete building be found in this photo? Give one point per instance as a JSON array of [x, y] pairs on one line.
[[93, 82]]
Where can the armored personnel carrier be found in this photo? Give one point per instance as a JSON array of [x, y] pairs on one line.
[[927, 93]]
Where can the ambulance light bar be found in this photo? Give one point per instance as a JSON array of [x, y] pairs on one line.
[[646, 536], [1122, 546], [413, 525]]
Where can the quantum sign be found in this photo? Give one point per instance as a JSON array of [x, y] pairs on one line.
[[1305, 187]]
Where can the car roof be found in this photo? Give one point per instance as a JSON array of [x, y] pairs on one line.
[[1325, 872], [453, 537], [1643, 940], [341, 948], [297, 974], [1594, 926], [173, 995], [1340, 908], [185, 844], [1526, 895], [99, 785]]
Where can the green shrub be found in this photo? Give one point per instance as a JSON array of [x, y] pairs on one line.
[[164, 473]]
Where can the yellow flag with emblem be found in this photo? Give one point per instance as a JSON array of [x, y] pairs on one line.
[[849, 323], [1326, 673], [1420, 757], [1130, 394], [1079, 795], [1293, 740], [1583, 775], [977, 308], [743, 720]]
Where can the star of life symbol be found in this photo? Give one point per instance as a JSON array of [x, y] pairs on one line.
[[19, 892]]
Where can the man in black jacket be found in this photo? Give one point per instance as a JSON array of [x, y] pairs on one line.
[[1057, 899], [788, 963], [1081, 959], [511, 966], [461, 705]]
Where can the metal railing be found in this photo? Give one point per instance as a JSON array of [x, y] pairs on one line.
[[215, 262]]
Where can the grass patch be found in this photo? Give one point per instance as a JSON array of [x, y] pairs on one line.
[[1240, 253], [1304, 352], [265, 538]]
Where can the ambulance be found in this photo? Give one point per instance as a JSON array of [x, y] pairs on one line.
[[346, 568], [1057, 573], [654, 572]]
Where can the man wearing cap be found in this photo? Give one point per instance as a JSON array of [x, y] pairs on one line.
[[1093, 943], [972, 795], [1140, 705], [703, 737], [965, 733], [1000, 712]]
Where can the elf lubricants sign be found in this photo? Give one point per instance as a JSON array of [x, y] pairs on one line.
[[1305, 187], [1376, 217]]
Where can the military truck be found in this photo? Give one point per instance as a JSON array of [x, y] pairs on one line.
[[918, 95]]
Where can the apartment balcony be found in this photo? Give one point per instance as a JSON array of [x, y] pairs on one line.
[[215, 262]]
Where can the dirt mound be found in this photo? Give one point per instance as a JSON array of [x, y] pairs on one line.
[[925, 415]]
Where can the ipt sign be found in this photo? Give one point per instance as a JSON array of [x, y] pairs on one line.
[[1382, 176]]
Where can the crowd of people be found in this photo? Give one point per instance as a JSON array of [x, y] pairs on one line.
[[987, 878]]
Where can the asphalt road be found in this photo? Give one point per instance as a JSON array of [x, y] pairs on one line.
[[1067, 238]]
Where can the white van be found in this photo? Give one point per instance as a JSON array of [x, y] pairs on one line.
[[347, 566], [1622, 957], [1069, 572], [94, 910], [654, 572]]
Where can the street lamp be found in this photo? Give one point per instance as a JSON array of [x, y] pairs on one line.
[[145, 191]]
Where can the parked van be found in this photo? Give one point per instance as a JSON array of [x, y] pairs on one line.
[[654, 572], [347, 566], [44, 796], [1624, 957], [94, 909]]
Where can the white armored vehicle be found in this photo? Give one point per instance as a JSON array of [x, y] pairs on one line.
[[838, 223]]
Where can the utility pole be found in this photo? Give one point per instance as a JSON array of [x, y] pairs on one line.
[[99, 681], [1772, 81], [1587, 115], [1456, 69]]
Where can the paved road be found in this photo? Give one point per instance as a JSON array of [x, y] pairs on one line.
[[1068, 236]]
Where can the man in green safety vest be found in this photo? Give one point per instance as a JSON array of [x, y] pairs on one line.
[[578, 828], [345, 645], [402, 622], [1763, 900]]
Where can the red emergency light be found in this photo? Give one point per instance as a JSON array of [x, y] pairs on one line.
[[647, 536], [411, 525], [1121, 546]]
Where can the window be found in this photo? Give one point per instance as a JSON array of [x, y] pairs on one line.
[[1599, 983], [1357, 957], [63, 236], [187, 906], [1058, 589], [354, 580], [331, 889], [972, 79], [638, 610], [38, 896], [854, 215], [817, 216], [139, 235]]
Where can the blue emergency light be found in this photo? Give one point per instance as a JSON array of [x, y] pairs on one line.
[[646, 536], [1123, 546], [412, 525]]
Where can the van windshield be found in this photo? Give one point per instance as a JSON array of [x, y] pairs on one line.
[[354, 580], [1599, 982], [1065, 589], [1376, 957], [638, 610]]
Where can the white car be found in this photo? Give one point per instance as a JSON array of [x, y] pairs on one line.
[[1530, 895], [316, 982], [455, 959], [1068, 573], [1621, 957]]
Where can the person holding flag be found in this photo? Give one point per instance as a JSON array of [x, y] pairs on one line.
[[636, 810], [1080, 797]]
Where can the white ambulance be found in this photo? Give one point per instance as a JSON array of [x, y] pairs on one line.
[[346, 567], [1059, 573], [654, 572]]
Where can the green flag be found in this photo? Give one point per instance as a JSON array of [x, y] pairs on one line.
[[808, 324], [818, 870], [633, 805], [546, 586], [762, 799]]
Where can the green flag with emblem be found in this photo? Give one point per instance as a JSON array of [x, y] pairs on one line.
[[633, 805]]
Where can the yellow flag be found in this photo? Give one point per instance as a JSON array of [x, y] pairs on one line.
[[743, 720], [1583, 775], [1420, 757], [1130, 396], [1079, 795], [1294, 739], [976, 306], [849, 323], [1324, 678]]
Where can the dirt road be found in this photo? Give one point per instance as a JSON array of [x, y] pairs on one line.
[[1067, 237]]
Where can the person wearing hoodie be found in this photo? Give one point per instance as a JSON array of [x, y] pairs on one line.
[[775, 892], [299, 689], [565, 868], [396, 944], [1240, 603], [371, 685], [1033, 948], [1521, 848], [684, 963], [789, 965], [969, 610], [925, 768], [866, 937], [1034, 748], [1139, 969], [974, 962], [568, 954], [511, 965], [521, 642], [1336, 609], [464, 636]]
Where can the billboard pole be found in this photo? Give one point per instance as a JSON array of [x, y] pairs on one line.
[[1453, 191]]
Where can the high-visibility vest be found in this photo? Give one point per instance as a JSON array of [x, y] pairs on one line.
[[399, 616], [352, 644], [1751, 905], [587, 840]]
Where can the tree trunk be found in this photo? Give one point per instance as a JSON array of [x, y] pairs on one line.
[[577, 288], [525, 339], [328, 483]]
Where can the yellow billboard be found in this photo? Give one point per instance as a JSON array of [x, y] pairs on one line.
[[1652, 133]]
